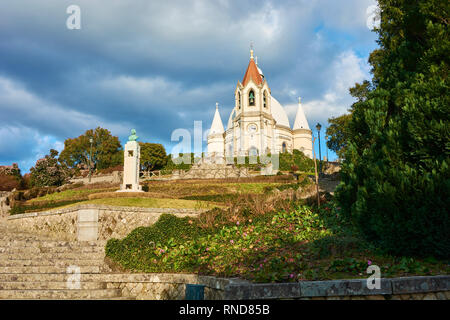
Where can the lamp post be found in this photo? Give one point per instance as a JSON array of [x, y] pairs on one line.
[[318, 127], [90, 158]]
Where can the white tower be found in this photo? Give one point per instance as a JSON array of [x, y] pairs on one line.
[[216, 142], [131, 164], [301, 132]]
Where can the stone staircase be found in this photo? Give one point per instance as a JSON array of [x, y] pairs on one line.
[[35, 267]]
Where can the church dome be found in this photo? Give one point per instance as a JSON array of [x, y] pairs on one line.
[[279, 114]]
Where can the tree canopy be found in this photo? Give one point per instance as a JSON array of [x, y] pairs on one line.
[[48, 171], [153, 156], [106, 150], [395, 177]]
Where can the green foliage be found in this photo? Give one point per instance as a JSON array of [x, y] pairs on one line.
[[338, 134], [42, 206], [297, 159], [273, 247], [106, 150], [182, 162], [48, 171], [153, 156], [396, 177]]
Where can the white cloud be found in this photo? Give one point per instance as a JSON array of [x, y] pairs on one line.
[[345, 71]]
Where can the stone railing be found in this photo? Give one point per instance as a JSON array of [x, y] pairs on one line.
[[91, 222], [163, 286], [406, 288]]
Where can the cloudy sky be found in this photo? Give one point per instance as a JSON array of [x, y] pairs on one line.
[[160, 65]]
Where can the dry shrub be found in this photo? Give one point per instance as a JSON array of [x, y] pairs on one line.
[[111, 169], [8, 183], [100, 185], [243, 208]]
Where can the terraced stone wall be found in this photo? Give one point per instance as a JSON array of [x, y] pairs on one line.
[[109, 221]]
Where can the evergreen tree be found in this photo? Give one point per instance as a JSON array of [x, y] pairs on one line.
[[396, 177]]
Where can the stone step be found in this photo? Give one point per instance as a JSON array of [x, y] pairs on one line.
[[50, 262], [60, 294], [54, 255], [84, 277], [50, 285], [46, 243], [48, 269], [27, 250]]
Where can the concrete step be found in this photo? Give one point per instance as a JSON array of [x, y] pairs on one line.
[[45, 243], [26, 250], [50, 262], [50, 285], [54, 255], [48, 269], [84, 277], [60, 294]]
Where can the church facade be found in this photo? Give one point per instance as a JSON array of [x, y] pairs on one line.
[[258, 123]]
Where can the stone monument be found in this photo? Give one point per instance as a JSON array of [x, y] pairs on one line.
[[131, 165]]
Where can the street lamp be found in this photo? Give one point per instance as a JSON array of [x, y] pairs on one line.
[[90, 158], [318, 127]]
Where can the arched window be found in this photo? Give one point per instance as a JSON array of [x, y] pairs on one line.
[[283, 147], [265, 99], [239, 98], [251, 98], [253, 152]]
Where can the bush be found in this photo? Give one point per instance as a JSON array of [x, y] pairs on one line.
[[48, 171], [8, 182]]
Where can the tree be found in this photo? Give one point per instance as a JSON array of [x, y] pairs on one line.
[[396, 176], [153, 156], [338, 134], [106, 150], [338, 130], [48, 171]]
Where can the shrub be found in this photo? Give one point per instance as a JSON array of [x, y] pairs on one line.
[[48, 171], [8, 182]]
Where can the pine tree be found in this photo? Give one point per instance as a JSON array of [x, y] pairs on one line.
[[396, 177]]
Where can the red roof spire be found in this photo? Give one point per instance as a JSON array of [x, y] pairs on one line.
[[252, 72]]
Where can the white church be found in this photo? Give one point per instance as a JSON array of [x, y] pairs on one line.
[[258, 123]]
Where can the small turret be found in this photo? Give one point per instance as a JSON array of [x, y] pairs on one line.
[[216, 142], [301, 132]]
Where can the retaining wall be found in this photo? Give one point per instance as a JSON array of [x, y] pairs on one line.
[[92, 222], [165, 286]]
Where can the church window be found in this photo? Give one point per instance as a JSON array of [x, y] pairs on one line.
[[251, 98], [253, 152], [265, 99], [283, 147], [239, 98]]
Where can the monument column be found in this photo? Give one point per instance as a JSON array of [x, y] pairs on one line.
[[131, 164]]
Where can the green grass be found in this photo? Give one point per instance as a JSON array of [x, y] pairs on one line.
[[151, 203], [70, 194]]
